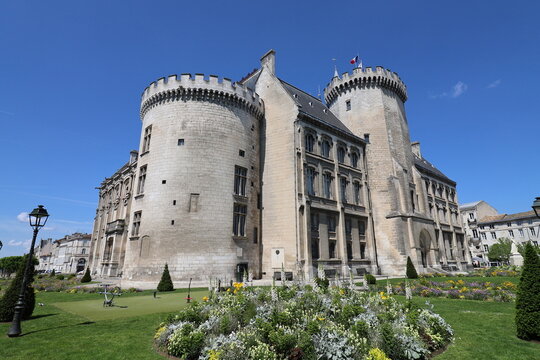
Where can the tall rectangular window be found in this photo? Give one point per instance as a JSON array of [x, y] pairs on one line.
[[484, 236], [475, 233], [362, 229], [240, 179], [348, 226], [511, 233], [310, 181], [493, 235], [239, 220], [314, 221], [325, 148], [332, 248], [142, 179], [331, 224], [357, 192], [327, 185], [146, 139], [136, 223], [532, 231], [310, 142], [348, 105], [521, 233], [486, 247], [343, 186], [341, 154], [354, 159]]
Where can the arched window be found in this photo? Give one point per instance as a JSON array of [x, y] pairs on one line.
[[310, 142], [325, 148], [354, 159], [343, 187], [83, 251], [341, 154]]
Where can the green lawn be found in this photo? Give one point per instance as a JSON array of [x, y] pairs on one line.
[[468, 279], [76, 326]]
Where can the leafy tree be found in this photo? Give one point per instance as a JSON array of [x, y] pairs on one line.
[[528, 297], [411, 271], [501, 251], [10, 264], [521, 249], [53, 273], [11, 296], [86, 277], [165, 284]]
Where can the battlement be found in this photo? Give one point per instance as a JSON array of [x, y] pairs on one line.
[[199, 87], [365, 77]]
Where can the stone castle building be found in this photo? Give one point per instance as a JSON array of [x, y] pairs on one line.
[[258, 175]]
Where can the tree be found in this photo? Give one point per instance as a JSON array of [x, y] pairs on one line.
[[165, 284], [10, 264], [53, 273], [528, 297], [86, 277], [411, 271], [501, 250], [521, 249], [11, 296]]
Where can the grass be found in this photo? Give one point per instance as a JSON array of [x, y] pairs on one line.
[[76, 326], [493, 279], [483, 330]]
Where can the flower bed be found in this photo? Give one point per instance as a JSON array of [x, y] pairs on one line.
[[299, 322], [460, 289], [511, 271]]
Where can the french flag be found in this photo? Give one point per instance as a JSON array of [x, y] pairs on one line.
[[354, 60]]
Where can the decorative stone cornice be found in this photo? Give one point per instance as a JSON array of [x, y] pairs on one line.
[[362, 78], [198, 88]]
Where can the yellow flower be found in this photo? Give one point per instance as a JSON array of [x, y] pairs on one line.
[[342, 292], [460, 282], [463, 289], [228, 289], [320, 318], [205, 298], [461, 297]]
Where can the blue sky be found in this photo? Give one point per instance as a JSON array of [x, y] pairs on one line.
[[72, 74]]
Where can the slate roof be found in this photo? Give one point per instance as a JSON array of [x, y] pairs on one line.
[[425, 166], [507, 217], [314, 108]]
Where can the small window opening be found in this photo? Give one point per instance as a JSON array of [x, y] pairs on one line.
[[174, 202], [242, 153], [163, 181], [172, 222], [348, 105], [180, 142]]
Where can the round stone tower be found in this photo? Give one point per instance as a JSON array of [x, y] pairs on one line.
[[195, 197], [371, 104]]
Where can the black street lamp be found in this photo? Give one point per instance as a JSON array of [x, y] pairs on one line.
[[38, 217], [536, 206]]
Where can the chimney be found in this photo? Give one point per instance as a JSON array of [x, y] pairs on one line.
[[269, 60], [133, 155], [415, 146]]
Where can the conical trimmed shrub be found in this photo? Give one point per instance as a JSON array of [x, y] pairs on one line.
[[165, 284], [86, 277], [411, 271], [11, 296], [528, 297]]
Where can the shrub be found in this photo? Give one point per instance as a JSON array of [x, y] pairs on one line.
[[8, 301], [86, 277], [371, 279], [528, 297], [71, 276], [53, 273], [60, 277], [411, 271], [165, 284]]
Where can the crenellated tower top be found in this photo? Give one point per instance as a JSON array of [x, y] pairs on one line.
[[365, 77], [199, 87]]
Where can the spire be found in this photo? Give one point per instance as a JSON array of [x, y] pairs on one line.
[[335, 69]]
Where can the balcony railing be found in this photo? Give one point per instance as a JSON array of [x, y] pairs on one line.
[[116, 227]]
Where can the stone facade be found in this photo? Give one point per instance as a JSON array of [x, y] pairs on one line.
[[68, 255], [260, 176], [471, 213]]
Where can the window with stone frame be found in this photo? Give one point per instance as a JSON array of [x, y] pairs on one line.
[[331, 225], [349, 250], [240, 180], [343, 188], [107, 254], [327, 185], [362, 250], [484, 236], [136, 223], [315, 248], [309, 142], [362, 229], [314, 221], [533, 233], [493, 235], [357, 189], [341, 152], [239, 220], [332, 249], [142, 179], [521, 234], [354, 159], [325, 148], [475, 233], [348, 226], [146, 139], [486, 248], [311, 176], [511, 233]]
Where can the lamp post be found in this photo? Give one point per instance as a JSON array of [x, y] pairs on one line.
[[536, 206], [37, 218]]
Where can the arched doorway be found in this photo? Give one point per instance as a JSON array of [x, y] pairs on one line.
[[81, 264], [425, 247]]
